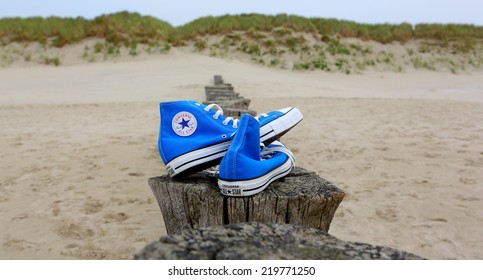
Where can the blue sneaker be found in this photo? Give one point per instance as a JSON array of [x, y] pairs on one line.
[[244, 170], [194, 137]]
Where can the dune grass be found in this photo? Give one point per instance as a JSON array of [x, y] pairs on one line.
[[119, 28], [126, 27], [285, 41]]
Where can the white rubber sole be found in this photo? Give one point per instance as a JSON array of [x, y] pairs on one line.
[[196, 158], [254, 186], [278, 127]]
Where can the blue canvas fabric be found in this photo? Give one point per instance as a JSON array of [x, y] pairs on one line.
[[242, 161], [268, 117], [200, 132]]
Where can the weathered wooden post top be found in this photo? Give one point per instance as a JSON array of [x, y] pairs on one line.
[[301, 198]]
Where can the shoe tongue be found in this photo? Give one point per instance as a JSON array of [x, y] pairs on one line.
[[251, 134]]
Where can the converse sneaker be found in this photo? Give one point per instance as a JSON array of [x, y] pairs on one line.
[[244, 170], [194, 137]]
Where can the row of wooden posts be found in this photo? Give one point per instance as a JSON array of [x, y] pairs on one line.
[[224, 95], [203, 224]]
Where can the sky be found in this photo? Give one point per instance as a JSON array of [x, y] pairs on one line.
[[178, 12]]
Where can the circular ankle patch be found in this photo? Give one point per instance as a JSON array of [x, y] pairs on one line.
[[184, 124]]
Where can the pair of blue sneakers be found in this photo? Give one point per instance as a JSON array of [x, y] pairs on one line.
[[194, 137]]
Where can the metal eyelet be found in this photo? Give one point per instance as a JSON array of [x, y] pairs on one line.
[[223, 136]]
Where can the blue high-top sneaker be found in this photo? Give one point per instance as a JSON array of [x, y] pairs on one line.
[[194, 137], [244, 170]]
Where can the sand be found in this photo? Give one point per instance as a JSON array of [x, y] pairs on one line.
[[79, 142]]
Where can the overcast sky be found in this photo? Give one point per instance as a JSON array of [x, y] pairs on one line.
[[178, 12]]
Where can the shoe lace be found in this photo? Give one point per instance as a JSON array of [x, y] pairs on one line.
[[212, 171], [219, 112], [276, 146], [261, 115]]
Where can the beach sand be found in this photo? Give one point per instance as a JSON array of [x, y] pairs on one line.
[[79, 142]]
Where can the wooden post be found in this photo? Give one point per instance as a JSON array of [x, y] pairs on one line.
[[301, 198], [218, 80]]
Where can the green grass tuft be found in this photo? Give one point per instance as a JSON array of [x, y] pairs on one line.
[[123, 28], [117, 28]]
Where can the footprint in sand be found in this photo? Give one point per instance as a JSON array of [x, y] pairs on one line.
[[93, 206], [74, 231], [56, 207], [438, 220], [115, 217], [136, 174], [20, 217], [87, 251], [17, 244], [468, 181], [389, 215], [71, 246], [431, 155], [467, 198]]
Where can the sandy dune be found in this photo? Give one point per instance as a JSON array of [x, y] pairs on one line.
[[78, 144]]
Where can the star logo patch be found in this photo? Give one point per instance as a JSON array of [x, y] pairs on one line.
[[184, 124]]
